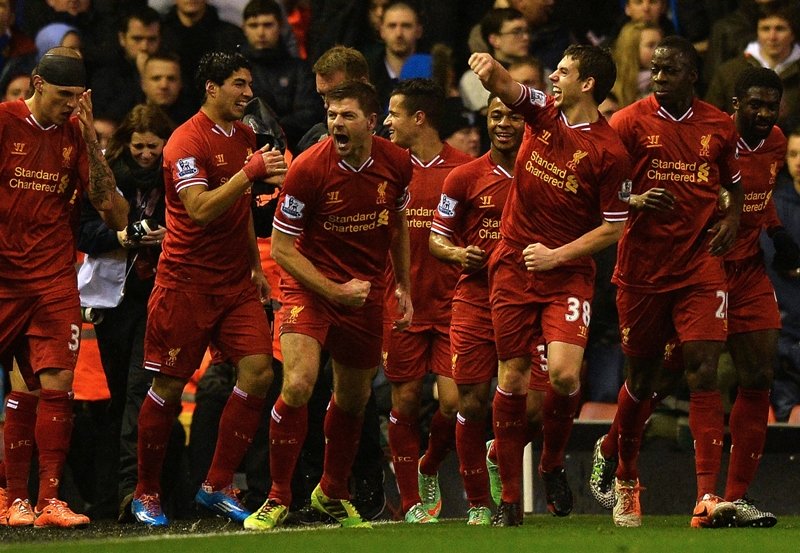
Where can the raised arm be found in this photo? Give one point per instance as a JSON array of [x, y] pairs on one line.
[[102, 191], [495, 78]]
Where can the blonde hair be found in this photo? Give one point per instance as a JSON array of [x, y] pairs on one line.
[[626, 55]]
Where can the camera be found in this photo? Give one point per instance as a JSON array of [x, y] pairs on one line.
[[91, 315], [139, 229]]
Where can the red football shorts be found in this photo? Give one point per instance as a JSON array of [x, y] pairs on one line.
[[413, 353], [555, 304], [648, 321], [352, 335], [751, 298], [40, 332], [181, 325]]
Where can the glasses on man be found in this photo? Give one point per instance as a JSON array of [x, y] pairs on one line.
[[517, 33]]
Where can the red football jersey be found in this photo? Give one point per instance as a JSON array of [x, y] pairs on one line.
[[760, 167], [690, 156], [214, 259], [44, 172], [566, 180], [469, 214], [432, 282], [341, 213]]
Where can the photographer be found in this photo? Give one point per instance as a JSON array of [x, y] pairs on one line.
[[134, 154]]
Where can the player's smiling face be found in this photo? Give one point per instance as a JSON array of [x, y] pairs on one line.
[[400, 124], [506, 128], [234, 93], [567, 83], [350, 129]]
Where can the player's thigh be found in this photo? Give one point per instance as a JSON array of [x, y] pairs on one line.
[[645, 322]]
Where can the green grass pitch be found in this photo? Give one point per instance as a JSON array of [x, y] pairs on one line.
[[540, 533]]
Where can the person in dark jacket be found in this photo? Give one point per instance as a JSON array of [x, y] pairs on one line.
[[285, 83]]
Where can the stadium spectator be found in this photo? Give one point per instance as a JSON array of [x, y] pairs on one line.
[[285, 83], [162, 86], [317, 228], [17, 50], [776, 48], [117, 85], [669, 274], [632, 52], [134, 155], [473, 197], [192, 28], [57, 34], [18, 86], [208, 286], [416, 109], [549, 257], [548, 37], [730, 35], [41, 317], [401, 29]]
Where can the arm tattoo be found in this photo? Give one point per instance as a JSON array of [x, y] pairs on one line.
[[101, 179]]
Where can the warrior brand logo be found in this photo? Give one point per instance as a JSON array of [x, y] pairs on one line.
[[219, 159], [187, 167], [19, 149], [333, 197], [653, 141], [292, 207], [576, 159], [486, 202], [447, 206], [624, 193], [544, 137], [294, 313], [66, 155], [705, 140], [381, 199], [173, 356]]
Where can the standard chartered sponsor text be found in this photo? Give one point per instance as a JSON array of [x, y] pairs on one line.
[[358, 222], [30, 179]]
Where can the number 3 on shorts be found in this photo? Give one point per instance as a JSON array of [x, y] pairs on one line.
[[574, 311]]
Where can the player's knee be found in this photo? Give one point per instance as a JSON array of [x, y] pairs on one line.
[[564, 383], [760, 379], [56, 379], [474, 408]]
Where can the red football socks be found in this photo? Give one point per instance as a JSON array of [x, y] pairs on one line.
[[471, 446], [20, 428], [631, 416], [53, 433], [510, 432], [707, 423], [441, 441], [155, 425], [748, 424], [287, 432], [558, 412], [404, 444], [237, 427], [342, 434]]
